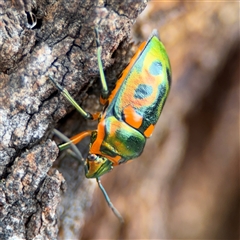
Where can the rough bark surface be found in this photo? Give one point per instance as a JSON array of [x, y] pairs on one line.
[[37, 39]]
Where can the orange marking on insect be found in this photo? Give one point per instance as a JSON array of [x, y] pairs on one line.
[[126, 71], [96, 145], [149, 130], [131, 117]]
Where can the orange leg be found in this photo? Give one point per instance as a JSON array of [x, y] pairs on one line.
[[80, 136], [75, 139]]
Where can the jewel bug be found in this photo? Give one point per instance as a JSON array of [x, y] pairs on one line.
[[130, 111]]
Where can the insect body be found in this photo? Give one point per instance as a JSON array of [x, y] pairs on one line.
[[131, 111]]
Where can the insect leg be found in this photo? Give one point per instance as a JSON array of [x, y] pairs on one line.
[[105, 91], [67, 95], [115, 211], [75, 139]]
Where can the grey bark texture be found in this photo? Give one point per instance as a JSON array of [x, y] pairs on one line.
[[38, 39]]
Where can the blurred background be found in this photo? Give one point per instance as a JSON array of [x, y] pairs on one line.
[[185, 185]]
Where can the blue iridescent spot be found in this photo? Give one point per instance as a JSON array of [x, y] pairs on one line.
[[155, 68], [143, 91]]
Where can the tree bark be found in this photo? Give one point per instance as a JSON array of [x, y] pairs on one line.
[[38, 39]]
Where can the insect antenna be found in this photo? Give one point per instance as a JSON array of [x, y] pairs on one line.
[[68, 143], [115, 211]]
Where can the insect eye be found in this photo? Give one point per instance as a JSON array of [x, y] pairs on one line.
[[92, 157]]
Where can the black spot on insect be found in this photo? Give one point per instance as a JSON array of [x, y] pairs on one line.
[[156, 68], [143, 91], [169, 78]]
